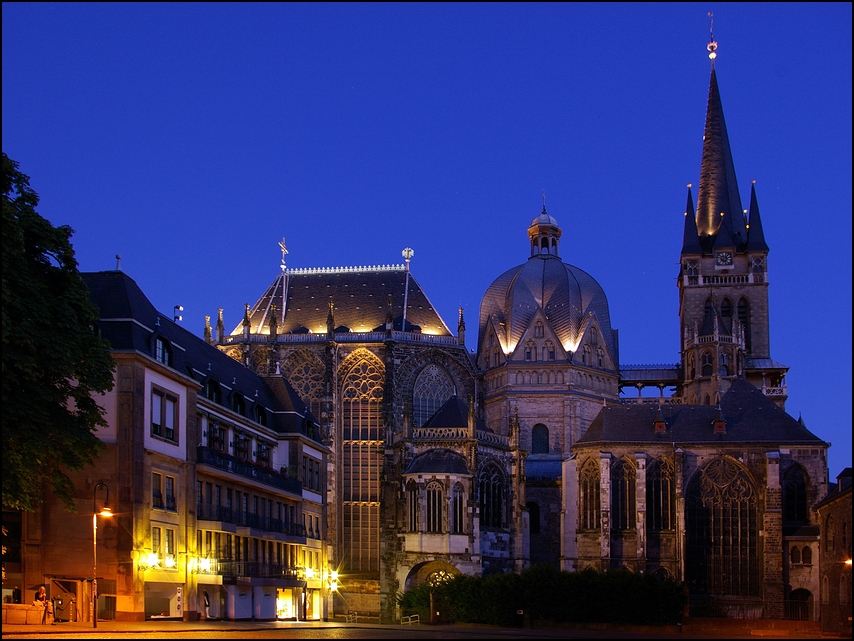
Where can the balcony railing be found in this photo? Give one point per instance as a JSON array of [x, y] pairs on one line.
[[225, 514], [246, 569], [247, 469]]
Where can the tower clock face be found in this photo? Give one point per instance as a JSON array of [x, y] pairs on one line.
[[723, 258]]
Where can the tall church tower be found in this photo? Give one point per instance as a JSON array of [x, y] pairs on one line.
[[723, 280]]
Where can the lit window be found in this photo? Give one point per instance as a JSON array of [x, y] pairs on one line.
[[434, 508]]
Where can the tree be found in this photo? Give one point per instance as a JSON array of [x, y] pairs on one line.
[[53, 361]]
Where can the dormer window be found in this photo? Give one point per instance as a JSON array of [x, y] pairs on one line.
[[162, 351], [213, 392], [238, 404]]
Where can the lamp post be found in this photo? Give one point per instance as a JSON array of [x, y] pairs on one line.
[[105, 511]]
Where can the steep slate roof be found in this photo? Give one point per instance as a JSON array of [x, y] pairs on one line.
[[360, 296], [690, 237], [755, 235], [131, 324], [438, 461], [751, 418], [718, 191]]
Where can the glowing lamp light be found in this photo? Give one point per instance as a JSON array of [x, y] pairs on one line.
[[309, 573], [152, 560], [170, 561], [205, 565]]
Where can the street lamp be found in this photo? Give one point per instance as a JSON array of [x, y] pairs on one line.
[[105, 511]]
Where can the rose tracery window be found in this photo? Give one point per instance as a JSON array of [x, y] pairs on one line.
[[432, 389], [722, 531]]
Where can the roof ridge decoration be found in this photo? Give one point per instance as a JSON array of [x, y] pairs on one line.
[[345, 270]]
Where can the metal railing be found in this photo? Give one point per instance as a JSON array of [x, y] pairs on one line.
[[247, 469]]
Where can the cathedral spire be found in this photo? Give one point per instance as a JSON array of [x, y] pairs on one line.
[[690, 239], [718, 190], [755, 235]]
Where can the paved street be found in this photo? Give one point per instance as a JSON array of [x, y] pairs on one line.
[[320, 630]]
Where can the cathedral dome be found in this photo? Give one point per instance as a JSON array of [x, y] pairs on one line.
[[567, 295]]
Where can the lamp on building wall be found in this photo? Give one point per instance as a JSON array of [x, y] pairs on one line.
[[148, 560], [106, 512]]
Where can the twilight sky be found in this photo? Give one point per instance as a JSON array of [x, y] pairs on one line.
[[190, 138]]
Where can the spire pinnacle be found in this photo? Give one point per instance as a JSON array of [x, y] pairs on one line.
[[284, 252], [712, 46]]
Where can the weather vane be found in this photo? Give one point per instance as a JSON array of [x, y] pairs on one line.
[[284, 251], [712, 46]]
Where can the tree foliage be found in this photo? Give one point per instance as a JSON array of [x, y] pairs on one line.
[[547, 594], [53, 362]]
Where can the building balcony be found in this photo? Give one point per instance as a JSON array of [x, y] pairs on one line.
[[247, 469]]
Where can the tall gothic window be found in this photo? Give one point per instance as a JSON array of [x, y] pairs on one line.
[[589, 505], [534, 517], [412, 506], [795, 495], [744, 319], [435, 498], [726, 313], [623, 495], [722, 531], [660, 506], [362, 457], [491, 488], [432, 388], [708, 363], [539, 330], [539, 439], [458, 510]]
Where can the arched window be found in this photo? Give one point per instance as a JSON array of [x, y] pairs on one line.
[[600, 357], [534, 517], [435, 499], [660, 496], [726, 313], [724, 358], [708, 311], [587, 355], [458, 510], [589, 505], [491, 494], [722, 531], [830, 535], [362, 436], [623, 495], [692, 370], [548, 351], [412, 506], [807, 555], [539, 330], [432, 388], [708, 363], [795, 495], [530, 351], [304, 373], [539, 439], [744, 319], [795, 555]]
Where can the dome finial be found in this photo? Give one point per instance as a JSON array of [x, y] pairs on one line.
[[712, 46], [544, 200]]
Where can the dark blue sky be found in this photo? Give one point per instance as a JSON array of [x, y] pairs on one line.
[[190, 138]]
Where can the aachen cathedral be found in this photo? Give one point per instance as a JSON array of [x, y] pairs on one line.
[[523, 452]]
